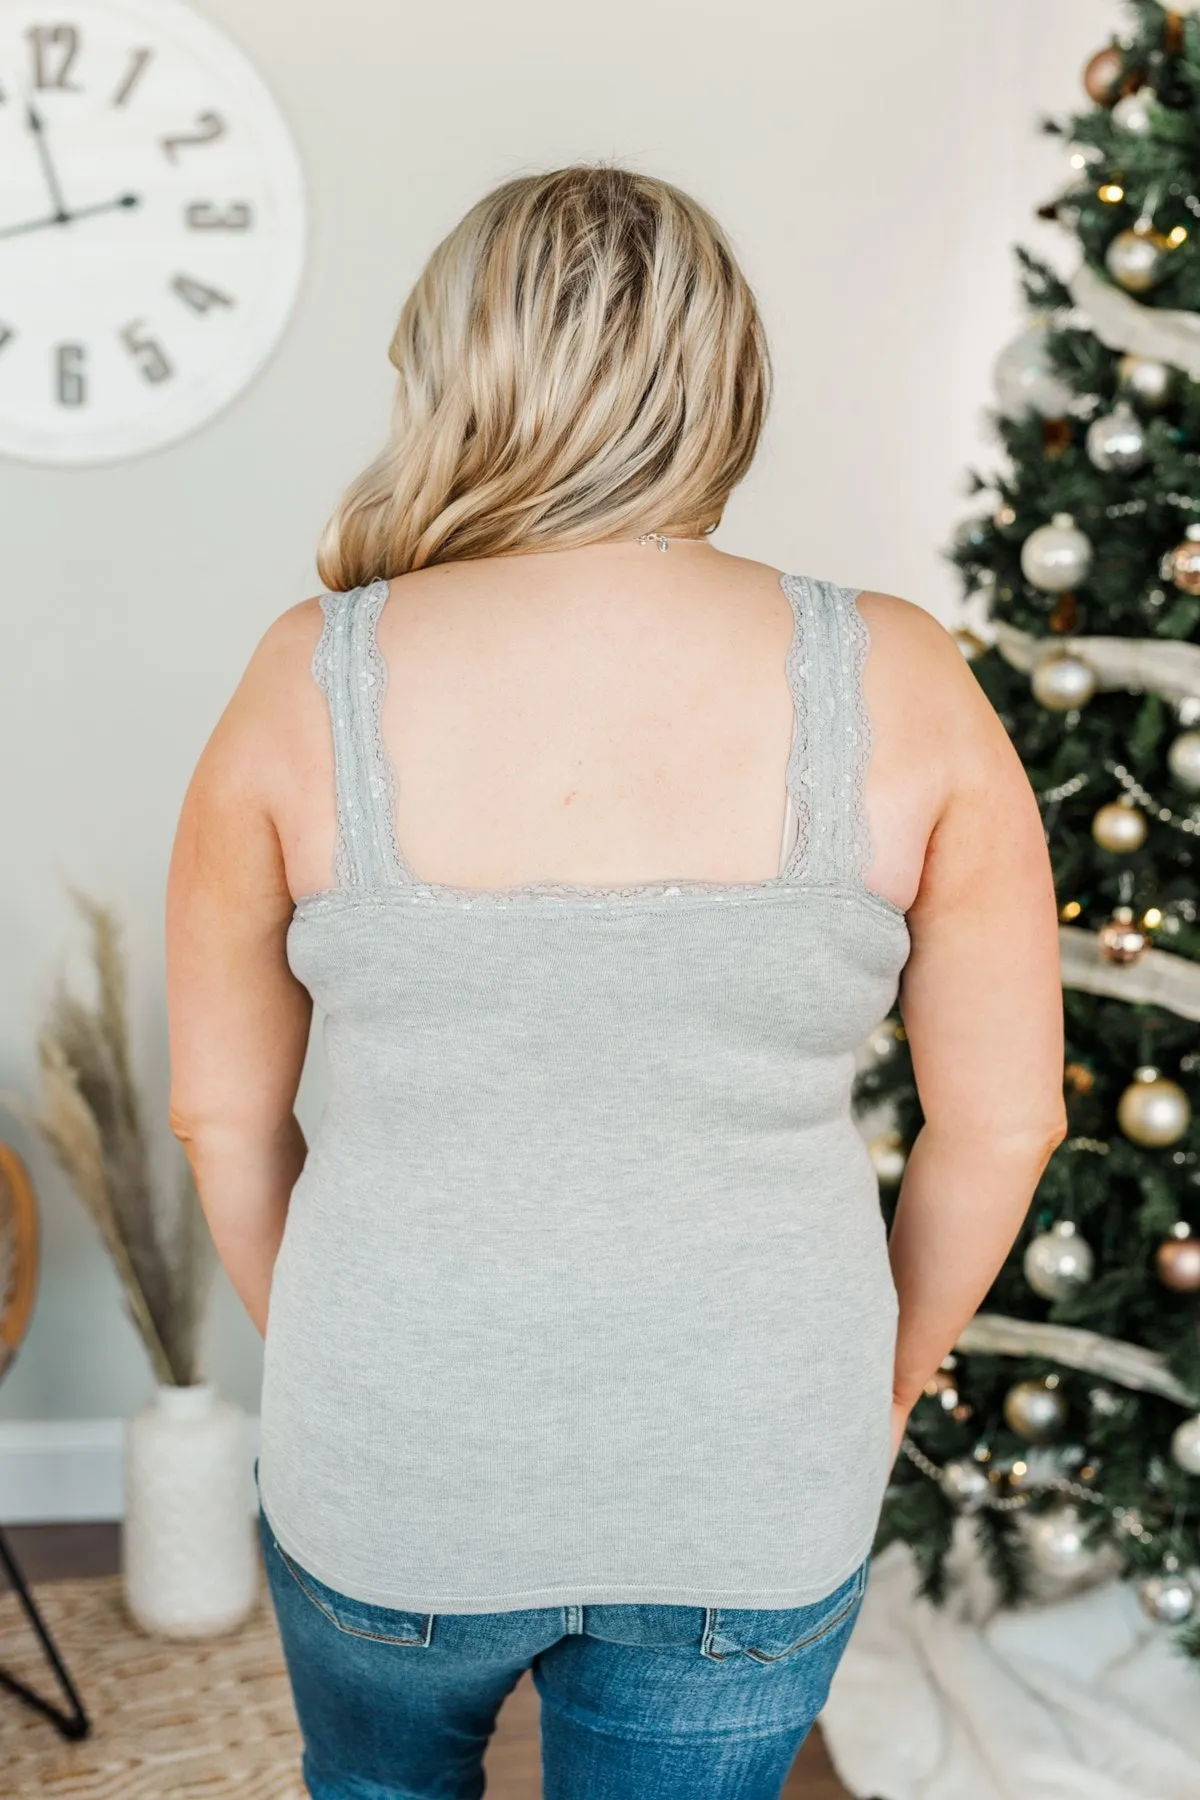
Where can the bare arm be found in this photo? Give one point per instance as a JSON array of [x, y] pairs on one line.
[[238, 1018], [981, 999]]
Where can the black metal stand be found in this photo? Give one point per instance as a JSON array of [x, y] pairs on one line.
[[72, 1723]]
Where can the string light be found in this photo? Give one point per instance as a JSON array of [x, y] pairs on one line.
[[1112, 192]]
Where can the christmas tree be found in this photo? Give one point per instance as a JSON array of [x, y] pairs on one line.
[[1066, 1424]]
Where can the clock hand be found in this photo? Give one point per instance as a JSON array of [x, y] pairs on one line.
[[65, 218], [82, 212], [34, 122], [29, 225]]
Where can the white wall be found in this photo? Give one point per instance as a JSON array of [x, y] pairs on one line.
[[873, 162]]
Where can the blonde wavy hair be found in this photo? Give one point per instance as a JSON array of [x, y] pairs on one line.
[[581, 358]]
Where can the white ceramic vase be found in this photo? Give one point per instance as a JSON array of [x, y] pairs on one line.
[[189, 1552]]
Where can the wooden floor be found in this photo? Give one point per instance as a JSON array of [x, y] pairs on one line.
[[51, 1552]]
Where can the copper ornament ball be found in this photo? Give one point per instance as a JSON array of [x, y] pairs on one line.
[[1121, 940], [1183, 563], [1178, 1263], [1103, 74], [1078, 1078]]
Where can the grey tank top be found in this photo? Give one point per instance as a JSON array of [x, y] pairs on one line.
[[583, 1295]]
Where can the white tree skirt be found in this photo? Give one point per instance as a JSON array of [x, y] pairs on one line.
[[1084, 1699]]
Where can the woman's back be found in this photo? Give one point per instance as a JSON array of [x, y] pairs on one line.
[[589, 1095], [603, 716]]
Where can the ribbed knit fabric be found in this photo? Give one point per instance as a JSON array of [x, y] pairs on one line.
[[583, 1296]]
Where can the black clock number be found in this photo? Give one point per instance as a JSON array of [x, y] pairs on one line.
[[202, 215], [198, 295], [209, 127], [137, 62], [55, 48], [7, 334], [69, 373], [151, 358]]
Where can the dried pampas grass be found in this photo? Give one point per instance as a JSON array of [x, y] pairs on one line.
[[91, 1119]]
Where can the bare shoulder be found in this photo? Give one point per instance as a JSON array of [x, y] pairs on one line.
[[918, 681], [909, 638], [274, 712], [286, 647]]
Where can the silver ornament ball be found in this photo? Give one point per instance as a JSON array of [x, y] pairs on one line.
[[1062, 682], [1116, 441], [1119, 827], [1058, 1261], [1035, 1411], [964, 1482], [1183, 760], [1148, 380], [1153, 1111], [1026, 382], [1056, 556], [1169, 1599], [1135, 113], [1185, 1445], [1056, 1544]]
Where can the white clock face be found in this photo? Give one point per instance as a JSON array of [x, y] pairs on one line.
[[151, 226]]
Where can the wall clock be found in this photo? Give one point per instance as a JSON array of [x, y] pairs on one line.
[[152, 226]]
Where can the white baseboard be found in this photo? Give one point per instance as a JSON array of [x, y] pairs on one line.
[[54, 1471]]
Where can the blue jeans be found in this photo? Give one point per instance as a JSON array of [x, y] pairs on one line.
[[637, 1702]]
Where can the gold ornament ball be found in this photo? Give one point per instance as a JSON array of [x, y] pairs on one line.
[[1121, 941], [1178, 1264], [888, 1157], [1153, 1111], [1136, 260], [1147, 379], [1035, 1411], [1119, 827], [1182, 564], [1062, 683], [1103, 74]]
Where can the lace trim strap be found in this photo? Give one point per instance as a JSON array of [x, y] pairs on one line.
[[827, 780], [350, 671]]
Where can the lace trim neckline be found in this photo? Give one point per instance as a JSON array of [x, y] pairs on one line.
[[432, 893], [408, 887]]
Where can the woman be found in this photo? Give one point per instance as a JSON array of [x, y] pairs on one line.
[[586, 1349]]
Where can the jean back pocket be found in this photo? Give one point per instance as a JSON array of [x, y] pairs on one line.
[[769, 1634], [356, 1618]]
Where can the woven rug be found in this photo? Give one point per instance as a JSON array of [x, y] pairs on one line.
[[170, 1721]]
